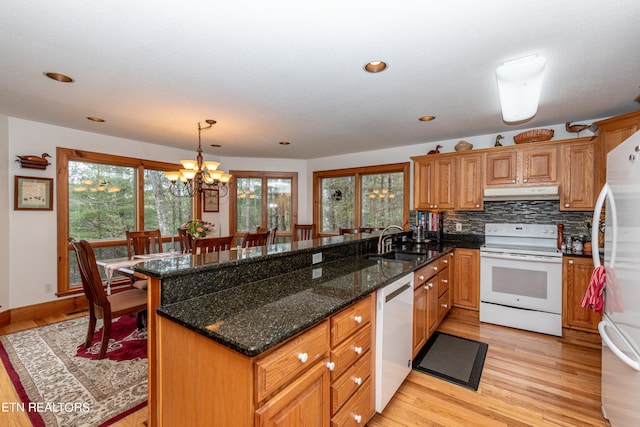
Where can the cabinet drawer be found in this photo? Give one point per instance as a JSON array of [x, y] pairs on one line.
[[288, 361], [344, 387], [425, 273], [357, 411], [444, 304], [350, 319], [442, 280], [349, 351], [443, 262]]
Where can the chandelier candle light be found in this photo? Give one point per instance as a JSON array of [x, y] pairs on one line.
[[197, 174]]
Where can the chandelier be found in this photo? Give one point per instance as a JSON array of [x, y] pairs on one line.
[[198, 175], [102, 185]]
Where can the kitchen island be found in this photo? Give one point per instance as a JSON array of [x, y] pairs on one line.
[[210, 305]]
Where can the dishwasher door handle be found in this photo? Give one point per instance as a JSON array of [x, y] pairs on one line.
[[397, 292]]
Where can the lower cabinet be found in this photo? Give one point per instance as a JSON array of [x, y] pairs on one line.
[[431, 299], [321, 377], [466, 278], [576, 273]]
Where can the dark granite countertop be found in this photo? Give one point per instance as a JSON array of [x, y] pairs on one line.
[[254, 317]]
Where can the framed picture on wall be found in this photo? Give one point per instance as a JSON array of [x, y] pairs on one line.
[[211, 201], [31, 193]]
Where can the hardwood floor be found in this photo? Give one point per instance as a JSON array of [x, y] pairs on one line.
[[528, 379]]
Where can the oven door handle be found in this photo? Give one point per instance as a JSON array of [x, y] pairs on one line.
[[532, 258]]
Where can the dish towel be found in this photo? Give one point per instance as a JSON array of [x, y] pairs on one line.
[[594, 297]]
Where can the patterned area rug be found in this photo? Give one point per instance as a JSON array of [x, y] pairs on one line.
[[60, 383]]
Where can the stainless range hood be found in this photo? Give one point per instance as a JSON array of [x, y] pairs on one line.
[[549, 192]]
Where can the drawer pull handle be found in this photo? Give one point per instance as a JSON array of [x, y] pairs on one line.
[[445, 305], [435, 268], [445, 281], [357, 380], [421, 277], [430, 285], [570, 261], [358, 350], [358, 418], [446, 261], [426, 288], [358, 319], [331, 366], [303, 357]]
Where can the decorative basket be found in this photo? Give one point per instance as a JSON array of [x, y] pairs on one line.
[[535, 135], [463, 146]]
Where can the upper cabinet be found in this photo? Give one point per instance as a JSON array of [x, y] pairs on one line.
[[517, 166], [577, 192], [470, 179], [433, 183], [611, 132]]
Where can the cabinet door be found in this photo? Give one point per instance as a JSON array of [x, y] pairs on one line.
[[540, 165], [422, 183], [444, 183], [432, 305], [466, 281], [470, 183], [307, 397], [419, 318], [578, 178], [576, 274], [502, 168]]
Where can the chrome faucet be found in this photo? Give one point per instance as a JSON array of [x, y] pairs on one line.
[[384, 244]]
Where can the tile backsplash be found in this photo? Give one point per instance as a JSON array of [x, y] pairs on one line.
[[531, 212]]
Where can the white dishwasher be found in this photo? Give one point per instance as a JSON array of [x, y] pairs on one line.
[[394, 335]]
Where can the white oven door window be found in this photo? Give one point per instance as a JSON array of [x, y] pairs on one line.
[[530, 284]]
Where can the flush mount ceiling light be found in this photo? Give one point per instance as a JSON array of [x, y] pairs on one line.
[[375, 66], [427, 118], [519, 87], [59, 77]]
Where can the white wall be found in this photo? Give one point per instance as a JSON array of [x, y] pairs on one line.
[[4, 208]]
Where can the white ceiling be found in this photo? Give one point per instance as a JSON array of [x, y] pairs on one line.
[[291, 70]]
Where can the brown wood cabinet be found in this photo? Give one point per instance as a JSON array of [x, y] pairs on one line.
[[470, 180], [611, 132], [434, 180], [466, 278], [521, 166], [324, 373], [577, 192], [576, 273], [431, 300]]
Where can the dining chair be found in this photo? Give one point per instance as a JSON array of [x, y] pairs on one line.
[[272, 234], [255, 239], [212, 244], [143, 242], [344, 231], [186, 240], [101, 305], [303, 232], [370, 229]]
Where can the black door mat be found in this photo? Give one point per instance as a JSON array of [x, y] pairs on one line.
[[454, 359]]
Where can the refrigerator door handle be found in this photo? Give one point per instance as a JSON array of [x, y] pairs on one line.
[[634, 364], [595, 225]]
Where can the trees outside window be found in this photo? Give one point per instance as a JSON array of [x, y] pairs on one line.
[[102, 196], [263, 199], [373, 196]]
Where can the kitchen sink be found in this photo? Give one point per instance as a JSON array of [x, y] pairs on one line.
[[396, 256]]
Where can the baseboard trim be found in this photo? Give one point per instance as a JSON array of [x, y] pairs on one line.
[[45, 309]]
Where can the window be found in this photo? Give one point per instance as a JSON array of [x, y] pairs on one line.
[[101, 196], [263, 199], [373, 196]]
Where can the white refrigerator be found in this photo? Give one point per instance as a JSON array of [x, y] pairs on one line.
[[620, 325]]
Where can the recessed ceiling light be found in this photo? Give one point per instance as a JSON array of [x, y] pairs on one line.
[[96, 119], [427, 118], [59, 77], [375, 66], [284, 143]]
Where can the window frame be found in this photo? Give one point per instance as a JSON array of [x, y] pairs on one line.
[[264, 176], [63, 156], [358, 172]]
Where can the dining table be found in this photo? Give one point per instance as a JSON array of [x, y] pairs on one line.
[[124, 266]]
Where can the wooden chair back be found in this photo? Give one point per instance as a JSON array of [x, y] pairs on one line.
[[344, 231], [370, 229], [186, 241], [272, 234], [255, 239], [143, 242], [101, 305], [212, 244], [303, 232]]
